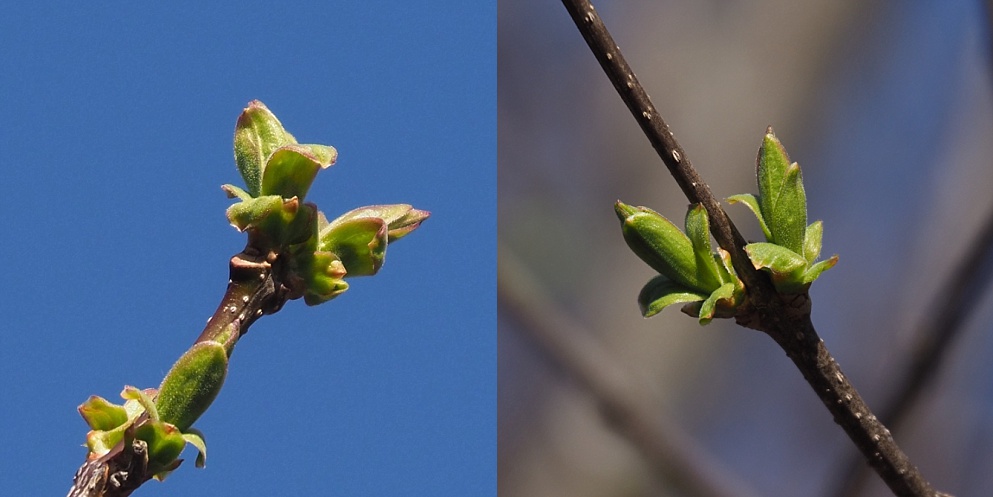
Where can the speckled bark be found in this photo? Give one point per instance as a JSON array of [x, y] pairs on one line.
[[788, 323], [785, 318]]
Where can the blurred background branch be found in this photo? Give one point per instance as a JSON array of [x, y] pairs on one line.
[[625, 402], [885, 105], [955, 301], [790, 328]]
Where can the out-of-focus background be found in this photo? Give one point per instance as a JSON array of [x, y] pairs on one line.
[[887, 107]]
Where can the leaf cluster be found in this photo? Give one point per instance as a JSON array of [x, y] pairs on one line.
[[317, 254], [705, 281], [278, 173]]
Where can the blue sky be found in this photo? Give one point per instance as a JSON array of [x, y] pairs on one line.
[[116, 137]]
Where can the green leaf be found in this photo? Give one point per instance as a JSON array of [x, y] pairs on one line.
[[326, 155], [788, 219], [785, 266], [323, 274], [100, 414], [698, 231], [360, 244], [143, 398], [100, 442], [662, 246], [192, 384], [105, 415], [290, 171], [282, 221], [723, 259], [771, 168], [812, 241], [400, 219], [235, 192], [251, 213], [753, 204], [165, 444], [722, 298], [256, 135], [661, 292], [815, 271], [195, 438]]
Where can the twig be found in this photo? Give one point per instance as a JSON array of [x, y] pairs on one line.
[[623, 402], [675, 158], [785, 318], [256, 287]]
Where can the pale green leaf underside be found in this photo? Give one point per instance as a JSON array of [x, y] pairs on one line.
[[811, 274], [753, 204], [812, 241], [661, 292], [698, 231], [709, 306]]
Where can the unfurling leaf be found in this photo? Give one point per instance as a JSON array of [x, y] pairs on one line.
[[290, 170], [360, 243], [662, 245], [792, 246], [753, 204]]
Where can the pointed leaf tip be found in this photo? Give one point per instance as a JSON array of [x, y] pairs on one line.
[[400, 219], [623, 210], [195, 438], [815, 271], [661, 245]]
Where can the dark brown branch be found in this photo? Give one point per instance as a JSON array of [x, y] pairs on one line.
[[673, 156], [624, 403], [785, 318], [256, 287], [795, 334]]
